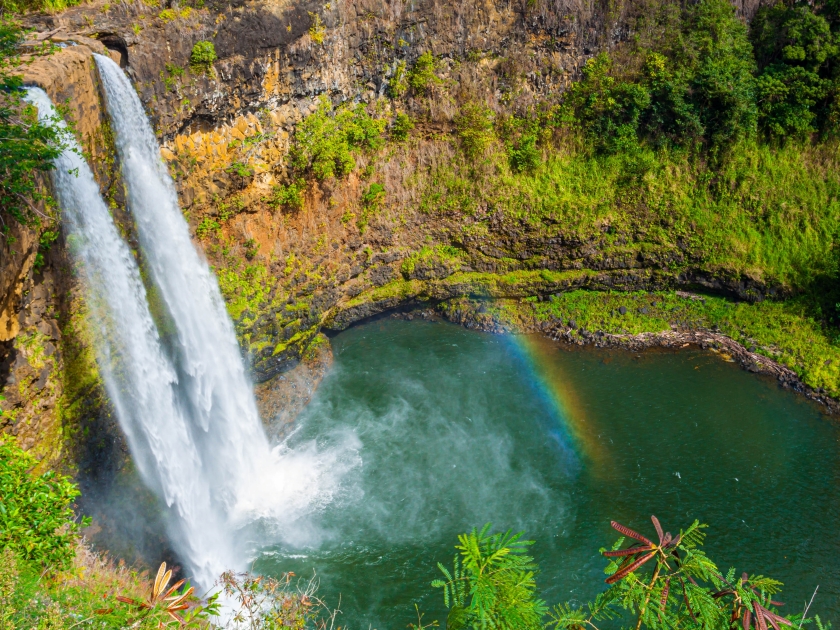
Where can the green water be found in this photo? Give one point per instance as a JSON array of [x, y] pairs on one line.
[[455, 428]]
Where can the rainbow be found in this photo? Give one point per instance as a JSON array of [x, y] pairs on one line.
[[540, 356]]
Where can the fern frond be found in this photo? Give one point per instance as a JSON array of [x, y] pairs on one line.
[[694, 536]]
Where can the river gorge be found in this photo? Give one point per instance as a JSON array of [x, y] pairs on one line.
[[325, 286]]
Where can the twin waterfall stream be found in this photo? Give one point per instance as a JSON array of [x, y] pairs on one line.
[[182, 396]]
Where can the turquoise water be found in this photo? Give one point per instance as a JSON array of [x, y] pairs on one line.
[[455, 428]]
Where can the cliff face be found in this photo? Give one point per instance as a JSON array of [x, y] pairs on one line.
[[227, 132], [344, 251]]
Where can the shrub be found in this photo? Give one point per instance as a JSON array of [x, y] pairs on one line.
[[371, 200], [492, 583], [240, 169], [697, 86], [317, 31], [721, 67], [207, 226], [422, 75], [796, 53], [202, 56], [474, 126], [398, 83], [288, 196], [36, 511], [401, 126], [326, 139], [787, 96], [664, 581], [607, 109]]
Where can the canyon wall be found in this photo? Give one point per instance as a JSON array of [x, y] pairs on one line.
[[343, 253]]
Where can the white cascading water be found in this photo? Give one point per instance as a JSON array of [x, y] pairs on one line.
[[186, 406], [141, 381], [246, 479]]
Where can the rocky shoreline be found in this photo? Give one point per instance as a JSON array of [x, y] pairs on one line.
[[676, 338]]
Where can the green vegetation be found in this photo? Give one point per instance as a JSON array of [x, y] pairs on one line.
[[36, 515], [207, 227], [317, 31], [244, 288], [26, 6], [372, 200], [799, 83], [401, 126], [171, 76], [428, 259], [326, 139], [289, 196], [238, 168], [50, 580], [398, 83], [492, 583], [474, 126], [669, 582], [202, 57], [662, 582], [422, 75], [27, 147]]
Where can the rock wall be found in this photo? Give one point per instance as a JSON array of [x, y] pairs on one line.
[[227, 129]]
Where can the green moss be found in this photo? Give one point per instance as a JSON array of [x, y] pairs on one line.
[[445, 255], [245, 288], [402, 289], [317, 342], [32, 346], [299, 339], [783, 331], [513, 284], [82, 391]]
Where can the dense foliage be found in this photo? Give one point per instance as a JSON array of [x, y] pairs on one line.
[[202, 57], [325, 140], [713, 82], [664, 582], [492, 583], [27, 146], [36, 511]]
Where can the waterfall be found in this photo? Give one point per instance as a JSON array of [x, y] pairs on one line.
[[141, 381], [245, 478], [184, 400]]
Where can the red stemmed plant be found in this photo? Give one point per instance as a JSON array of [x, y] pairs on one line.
[[688, 589]]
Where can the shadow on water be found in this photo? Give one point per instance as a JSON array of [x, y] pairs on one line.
[[458, 428]]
